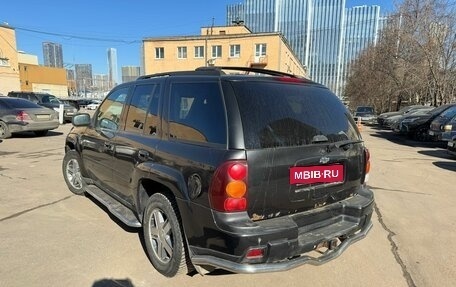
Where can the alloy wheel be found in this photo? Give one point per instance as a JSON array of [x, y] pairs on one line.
[[73, 174], [161, 236]]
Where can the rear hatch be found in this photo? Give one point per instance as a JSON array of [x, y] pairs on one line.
[[303, 149]]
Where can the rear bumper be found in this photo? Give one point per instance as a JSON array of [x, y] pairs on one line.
[[15, 127], [290, 241], [284, 265]]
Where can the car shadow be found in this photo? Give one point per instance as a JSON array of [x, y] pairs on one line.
[[122, 225], [32, 134], [404, 140], [451, 166], [113, 283], [436, 153]]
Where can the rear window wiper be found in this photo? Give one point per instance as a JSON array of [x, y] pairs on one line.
[[344, 143]]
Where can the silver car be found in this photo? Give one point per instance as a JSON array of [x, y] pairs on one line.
[[19, 115]]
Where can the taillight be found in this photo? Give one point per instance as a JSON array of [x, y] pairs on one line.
[[22, 116], [255, 253], [228, 190], [367, 164]]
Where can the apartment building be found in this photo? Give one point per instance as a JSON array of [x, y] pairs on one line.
[[9, 67], [234, 46]]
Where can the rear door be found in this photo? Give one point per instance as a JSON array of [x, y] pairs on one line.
[[135, 143], [303, 148]]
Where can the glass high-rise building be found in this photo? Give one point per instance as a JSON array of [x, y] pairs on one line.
[[322, 33], [84, 81], [130, 73], [52, 55], [362, 27], [112, 67]]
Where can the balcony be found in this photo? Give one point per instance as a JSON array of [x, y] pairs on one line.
[[258, 61]]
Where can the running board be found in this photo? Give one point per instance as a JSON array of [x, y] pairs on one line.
[[114, 206]]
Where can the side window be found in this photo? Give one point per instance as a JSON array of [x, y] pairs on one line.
[[45, 99], [140, 101], [108, 116], [197, 113], [152, 120], [32, 98]]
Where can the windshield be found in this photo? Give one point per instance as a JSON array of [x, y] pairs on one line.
[[451, 112], [439, 110], [50, 99], [277, 114], [369, 110]]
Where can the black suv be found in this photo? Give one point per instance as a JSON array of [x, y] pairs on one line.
[[247, 173], [48, 101]]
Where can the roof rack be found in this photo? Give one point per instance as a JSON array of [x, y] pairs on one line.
[[247, 70], [218, 70]]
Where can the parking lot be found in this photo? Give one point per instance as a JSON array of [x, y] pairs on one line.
[[50, 237]]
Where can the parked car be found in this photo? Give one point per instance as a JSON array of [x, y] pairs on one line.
[[452, 146], [365, 118], [417, 126], [48, 101], [382, 118], [393, 122], [437, 126], [243, 173], [449, 130], [19, 115], [93, 105], [71, 102]]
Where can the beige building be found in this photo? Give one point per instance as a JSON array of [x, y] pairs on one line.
[[234, 46], [9, 67], [35, 78]]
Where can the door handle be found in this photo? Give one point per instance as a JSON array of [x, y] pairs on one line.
[[143, 155]]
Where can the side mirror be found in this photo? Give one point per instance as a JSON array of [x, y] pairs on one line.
[[81, 120]]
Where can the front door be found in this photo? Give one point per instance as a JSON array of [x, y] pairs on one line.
[[97, 143]]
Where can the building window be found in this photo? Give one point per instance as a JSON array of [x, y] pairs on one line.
[[217, 51], [199, 51], [159, 53], [260, 50], [4, 62], [182, 52], [235, 51]]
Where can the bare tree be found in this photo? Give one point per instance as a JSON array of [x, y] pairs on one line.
[[414, 61]]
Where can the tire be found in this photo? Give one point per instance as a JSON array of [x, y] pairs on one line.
[[41, 133], [71, 168], [421, 134], [4, 131], [163, 236]]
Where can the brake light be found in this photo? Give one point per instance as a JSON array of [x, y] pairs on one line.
[[22, 116], [228, 189], [367, 164], [255, 253], [292, 80]]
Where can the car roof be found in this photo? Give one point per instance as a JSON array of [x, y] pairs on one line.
[[13, 99], [243, 73]]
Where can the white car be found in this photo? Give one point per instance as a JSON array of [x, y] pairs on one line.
[[93, 106]]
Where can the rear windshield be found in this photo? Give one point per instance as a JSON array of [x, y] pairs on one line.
[[16, 103], [277, 114]]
